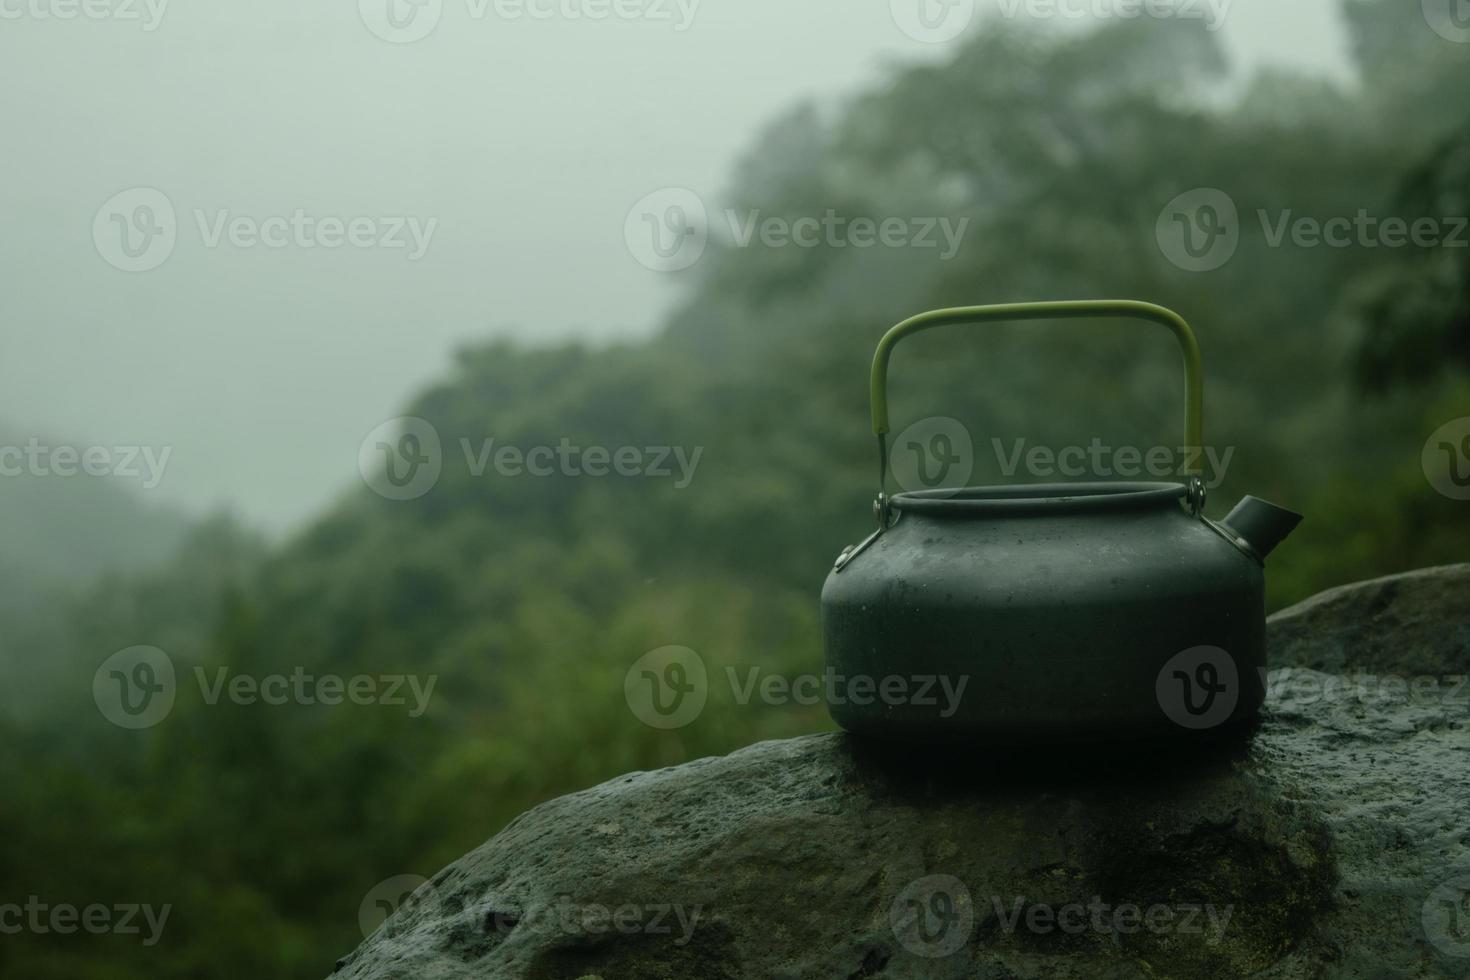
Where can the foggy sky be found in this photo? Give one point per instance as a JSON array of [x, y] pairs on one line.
[[524, 141]]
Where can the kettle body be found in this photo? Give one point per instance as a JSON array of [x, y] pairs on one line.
[[1050, 613]]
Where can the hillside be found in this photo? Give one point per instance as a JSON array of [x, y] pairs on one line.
[[528, 598]]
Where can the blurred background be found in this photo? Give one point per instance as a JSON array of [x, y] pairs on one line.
[[470, 351]]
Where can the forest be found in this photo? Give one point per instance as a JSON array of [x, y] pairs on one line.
[[1332, 357]]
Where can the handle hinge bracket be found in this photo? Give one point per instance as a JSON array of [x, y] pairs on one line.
[[1196, 495]]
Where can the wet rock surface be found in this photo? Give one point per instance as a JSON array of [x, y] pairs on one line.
[[1416, 623], [1336, 844]]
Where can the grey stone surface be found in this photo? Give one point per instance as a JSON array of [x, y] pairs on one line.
[[1336, 844], [1416, 623]]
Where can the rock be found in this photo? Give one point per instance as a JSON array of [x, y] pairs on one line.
[[1417, 623], [1336, 844]]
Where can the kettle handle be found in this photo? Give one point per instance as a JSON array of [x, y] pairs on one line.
[[1070, 310]]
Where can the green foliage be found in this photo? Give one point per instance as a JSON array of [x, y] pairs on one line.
[[1417, 308]]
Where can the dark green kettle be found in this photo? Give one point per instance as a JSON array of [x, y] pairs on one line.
[[1050, 613]]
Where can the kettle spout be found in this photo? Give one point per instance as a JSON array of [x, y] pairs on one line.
[[1263, 525]]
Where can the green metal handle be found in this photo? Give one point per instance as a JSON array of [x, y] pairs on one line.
[[1083, 309]]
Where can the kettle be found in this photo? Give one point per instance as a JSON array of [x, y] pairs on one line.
[[1050, 613]]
